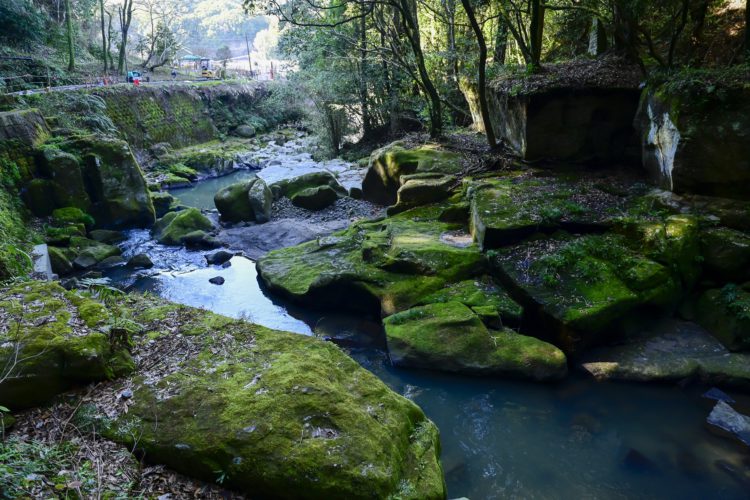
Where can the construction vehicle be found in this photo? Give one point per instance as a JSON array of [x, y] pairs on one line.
[[207, 71]]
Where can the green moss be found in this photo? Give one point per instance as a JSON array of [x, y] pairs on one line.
[[55, 348], [71, 215], [174, 227], [389, 163], [182, 170], [451, 337], [277, 414], [483, 294], [585, 285], [388, 265], [725, 313]]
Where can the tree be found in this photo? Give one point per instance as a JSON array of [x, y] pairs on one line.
[[104, 35], [223, 54], [482, 80], [125, 13], [69, 36]]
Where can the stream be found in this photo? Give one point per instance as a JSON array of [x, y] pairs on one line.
[[500, 439]]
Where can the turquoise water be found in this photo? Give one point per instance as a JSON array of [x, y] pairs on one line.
[[201, 194], [500, 439]]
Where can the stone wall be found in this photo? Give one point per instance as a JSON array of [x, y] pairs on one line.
[[568, 124], [697, 141]]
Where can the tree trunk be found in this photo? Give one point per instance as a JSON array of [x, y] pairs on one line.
[[536, 32], [625, 32], [501, 42], [126, 15], [366, 121], [104, 36], [407, 9], [69, 34], [108, 53], [482, 90]]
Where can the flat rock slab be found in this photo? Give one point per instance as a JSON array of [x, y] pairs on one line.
[[675, 351], [257, 240], [728, 419]]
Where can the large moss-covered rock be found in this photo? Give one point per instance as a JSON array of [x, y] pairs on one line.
[[378, 266], [27, 126], [245, 201], [115, 182], [726, 254], [163, 203], [60, 263], [450, 337], [274, 415], [175, 227], [38, 195], [421, 189], [233, 203], [261, 200], [583, 288], [51, 339], [290, 187], [726, 314], [507, 209], [389, 163], [483, 296], [674, 351], [88, 253], [673, 241], [315, 198], [64, 171]]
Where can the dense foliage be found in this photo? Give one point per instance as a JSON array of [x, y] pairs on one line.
[[389, 62]]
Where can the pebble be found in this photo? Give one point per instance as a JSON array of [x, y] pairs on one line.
[[217, 280]]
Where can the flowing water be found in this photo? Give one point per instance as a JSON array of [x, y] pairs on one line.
[[500, 439]]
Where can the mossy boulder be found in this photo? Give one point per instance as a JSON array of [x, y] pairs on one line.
[[245, 201], [422, 189], [484, 295], [27, 126], [71, 215], [290, 187], [173, 228], [88, 253], [66, 179], [58, 339], [315, 198], [60, 236], [583, 289], [163, 203], [245, 131], [450, 337], [507, 209], [275, 415], [261, 199], [116, 186], [726, 255], [674, 351], [59, 261], [38, 196], [388, 164], [381, 266], [673, 241], [726, 314], [107, 236]]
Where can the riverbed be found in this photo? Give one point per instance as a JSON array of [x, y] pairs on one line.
[[500, 439]]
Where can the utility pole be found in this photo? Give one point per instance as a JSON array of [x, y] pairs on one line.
[[249, 60]]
